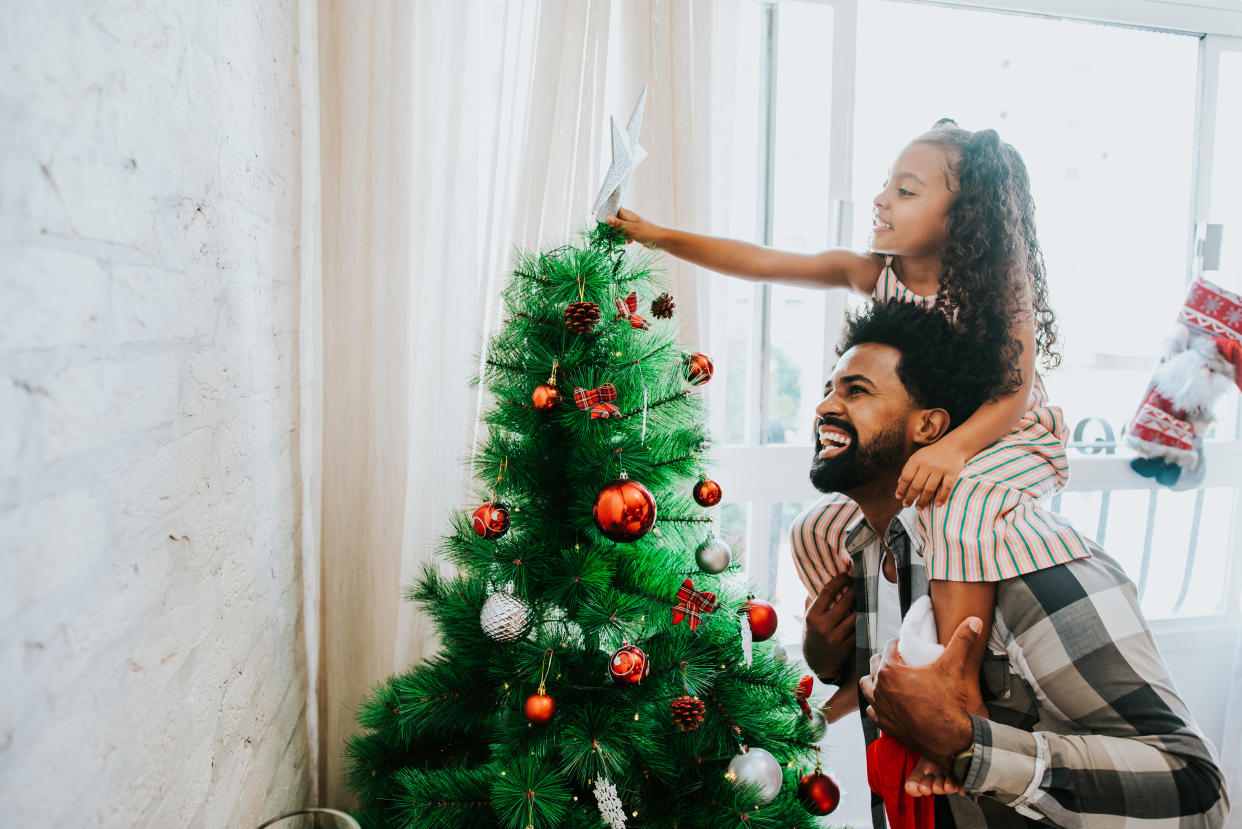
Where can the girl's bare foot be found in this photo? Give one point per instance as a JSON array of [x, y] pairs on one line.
[[928, 779]]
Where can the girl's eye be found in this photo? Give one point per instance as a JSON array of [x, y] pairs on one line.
[[903, 191]]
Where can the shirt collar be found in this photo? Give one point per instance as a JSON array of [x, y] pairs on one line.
[[859, 533]]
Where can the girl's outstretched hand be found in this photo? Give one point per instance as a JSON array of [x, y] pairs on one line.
[[635, 227], [930, 473]]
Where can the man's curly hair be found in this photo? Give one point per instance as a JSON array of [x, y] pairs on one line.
[[940, 367], [993, 264]]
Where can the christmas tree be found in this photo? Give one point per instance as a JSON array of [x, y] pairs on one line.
[[602, 662]]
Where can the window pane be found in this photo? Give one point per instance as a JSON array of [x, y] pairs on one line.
[[800, 212], [1103, 117]]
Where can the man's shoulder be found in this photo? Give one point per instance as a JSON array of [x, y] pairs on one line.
[[1071, 596]]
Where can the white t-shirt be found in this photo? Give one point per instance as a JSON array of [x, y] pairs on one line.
[[887, 605]]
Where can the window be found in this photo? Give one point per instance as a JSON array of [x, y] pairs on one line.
[[1128, 131]]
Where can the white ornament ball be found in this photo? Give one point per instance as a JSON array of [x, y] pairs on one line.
[[713, 555], [757, 768], [505, 617]]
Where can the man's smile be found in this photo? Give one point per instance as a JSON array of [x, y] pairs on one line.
[[833, 439]]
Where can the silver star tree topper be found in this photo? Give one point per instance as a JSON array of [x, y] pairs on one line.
[[627, 154]]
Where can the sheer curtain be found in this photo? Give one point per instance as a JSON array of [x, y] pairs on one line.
[[451, 132]]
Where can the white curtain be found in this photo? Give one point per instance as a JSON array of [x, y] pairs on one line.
[[451, 132]]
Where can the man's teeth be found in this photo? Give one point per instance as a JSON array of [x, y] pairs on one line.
[[835, 439]]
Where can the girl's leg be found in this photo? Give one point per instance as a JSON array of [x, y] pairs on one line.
[[953, 601]]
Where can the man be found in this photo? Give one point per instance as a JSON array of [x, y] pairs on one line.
[[1083, 724]]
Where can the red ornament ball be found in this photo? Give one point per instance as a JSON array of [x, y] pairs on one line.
[[697, 368], [490, 521], [624, 510], [629, 665], [818, 793], [762, 618], [545, 397], [707, 493], [540, 708]]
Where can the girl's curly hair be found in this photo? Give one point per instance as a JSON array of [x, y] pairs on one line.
[[993, 265]]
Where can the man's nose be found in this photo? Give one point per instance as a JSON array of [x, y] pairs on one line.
[[829, 405]]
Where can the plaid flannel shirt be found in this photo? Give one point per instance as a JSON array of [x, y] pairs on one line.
[[1084, 727]]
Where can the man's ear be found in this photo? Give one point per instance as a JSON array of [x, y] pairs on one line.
[[929, 426]]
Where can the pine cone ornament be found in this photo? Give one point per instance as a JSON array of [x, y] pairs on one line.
[[688, 712], [662, 306], [580, 317]]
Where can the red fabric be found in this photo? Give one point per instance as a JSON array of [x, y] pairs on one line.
[[1160, 422], [599, 401], [1231, 350], [692, 604], [889, 763]]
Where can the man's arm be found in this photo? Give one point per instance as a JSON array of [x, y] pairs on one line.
[[1076, 634]]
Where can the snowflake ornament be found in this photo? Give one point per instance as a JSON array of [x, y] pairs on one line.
[[610, 808]]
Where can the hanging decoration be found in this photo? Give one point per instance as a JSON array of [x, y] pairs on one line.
[[688, 710], [713, 555], [692, 604], [624, 510], [756, 767], [546, 396], [581, 317], [629, 665], [662, 306], [504, 617], [540, 706], [490, 521], [598, 401], [610, 808], [817, 792], [707, 493], [697, 368], [762, 618], [627, 310]]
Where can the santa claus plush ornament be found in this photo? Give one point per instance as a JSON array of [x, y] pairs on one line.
[[1202, 360]]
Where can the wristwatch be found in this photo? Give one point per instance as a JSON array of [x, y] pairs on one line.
[[961, 763]]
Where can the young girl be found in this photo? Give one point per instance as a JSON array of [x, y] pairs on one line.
[[953, 228]]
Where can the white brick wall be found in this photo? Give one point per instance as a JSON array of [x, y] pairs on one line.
[[152, 668]]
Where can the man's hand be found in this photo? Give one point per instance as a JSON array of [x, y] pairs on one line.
[[930, 473], [828, 643], [927, 708]]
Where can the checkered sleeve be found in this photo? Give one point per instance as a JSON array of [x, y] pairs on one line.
[[1129, 749]]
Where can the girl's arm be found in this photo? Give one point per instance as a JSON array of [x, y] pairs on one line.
[[830, 269], [932, 471]]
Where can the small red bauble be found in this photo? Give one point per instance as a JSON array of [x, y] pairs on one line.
[[629, 665], [707, 493], [545, 397], [490, 520], [624, 510], [818, 793], [697, 368], [540, 707], [762, 618]]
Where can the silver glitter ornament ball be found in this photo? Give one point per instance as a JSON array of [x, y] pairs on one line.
[[819, 724], [713, 555], [505, 617], [757, 768]]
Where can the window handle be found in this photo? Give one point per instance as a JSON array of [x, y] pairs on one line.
[[1209, 246]]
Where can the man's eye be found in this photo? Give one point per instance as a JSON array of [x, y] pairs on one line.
[[857, 390]]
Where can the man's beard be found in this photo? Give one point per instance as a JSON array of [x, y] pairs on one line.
[[858, 464]]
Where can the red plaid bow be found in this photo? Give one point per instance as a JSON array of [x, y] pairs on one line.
[[599, 401], [626, 308], [692, 604], [803, 693]]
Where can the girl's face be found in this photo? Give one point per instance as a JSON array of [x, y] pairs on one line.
[[911, 216]]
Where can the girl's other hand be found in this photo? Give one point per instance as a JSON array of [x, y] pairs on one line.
[[929, 474], [635, 228]]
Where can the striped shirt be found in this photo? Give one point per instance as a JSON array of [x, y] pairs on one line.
[[992, 526], [1084, 726]]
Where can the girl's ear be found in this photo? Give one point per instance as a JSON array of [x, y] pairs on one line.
[[929, 426]]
